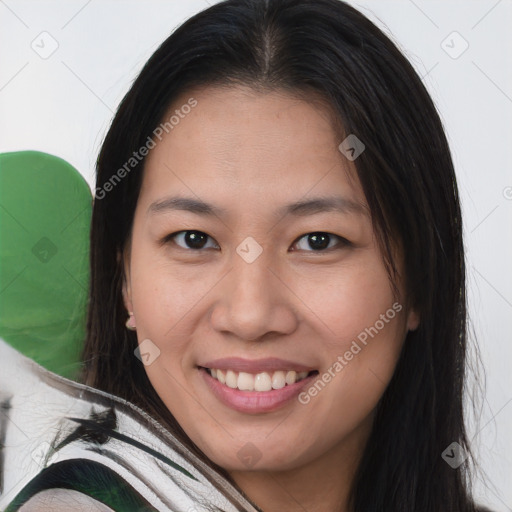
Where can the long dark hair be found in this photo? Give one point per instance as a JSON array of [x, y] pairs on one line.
[[327, 48]]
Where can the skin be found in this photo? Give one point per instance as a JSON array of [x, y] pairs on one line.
[[252, 153]]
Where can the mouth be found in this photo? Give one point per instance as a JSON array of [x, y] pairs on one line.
[[258, 391]]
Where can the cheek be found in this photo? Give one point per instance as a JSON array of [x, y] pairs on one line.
[[165, 296], [348, 299], [165, 301], [360, 327]]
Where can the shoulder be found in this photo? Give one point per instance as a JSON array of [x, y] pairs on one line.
[[63, 500]]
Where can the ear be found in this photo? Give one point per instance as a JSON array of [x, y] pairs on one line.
[[126, 288], [413, 320]]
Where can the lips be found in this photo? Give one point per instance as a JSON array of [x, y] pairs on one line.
[[255, 386]]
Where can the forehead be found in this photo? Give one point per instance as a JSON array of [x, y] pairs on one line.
[[240, 143]]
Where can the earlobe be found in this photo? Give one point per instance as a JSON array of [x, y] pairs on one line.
[[130, 323], [413, 320]]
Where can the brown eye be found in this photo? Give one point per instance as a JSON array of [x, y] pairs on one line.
[[319, 241], [191, 240]]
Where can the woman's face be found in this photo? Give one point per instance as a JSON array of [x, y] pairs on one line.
[[272, 281]]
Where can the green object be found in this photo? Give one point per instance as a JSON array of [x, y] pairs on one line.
[[87, 477], [45, 213]]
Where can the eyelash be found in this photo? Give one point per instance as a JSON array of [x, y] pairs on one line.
[[342, 242]]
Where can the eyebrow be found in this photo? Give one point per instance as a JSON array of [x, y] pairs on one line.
[[299, 208]]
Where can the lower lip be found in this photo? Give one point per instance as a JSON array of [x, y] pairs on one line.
[[255, 401]]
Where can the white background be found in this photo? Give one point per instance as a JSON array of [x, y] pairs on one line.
[[63, 104]]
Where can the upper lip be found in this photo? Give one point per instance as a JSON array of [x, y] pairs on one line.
[[268, 364]]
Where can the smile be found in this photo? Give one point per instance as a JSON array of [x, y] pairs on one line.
[[262, 391]]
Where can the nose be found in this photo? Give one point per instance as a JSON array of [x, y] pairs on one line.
[[254, 302]]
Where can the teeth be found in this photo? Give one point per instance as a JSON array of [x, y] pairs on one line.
[[245, 381], [278, 380], [263, 381], [231, 379], [291, 377]]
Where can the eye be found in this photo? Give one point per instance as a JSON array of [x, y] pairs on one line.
[[320, 241], [191, 240]]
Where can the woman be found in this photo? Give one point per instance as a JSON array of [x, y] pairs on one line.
[[277, 267]]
